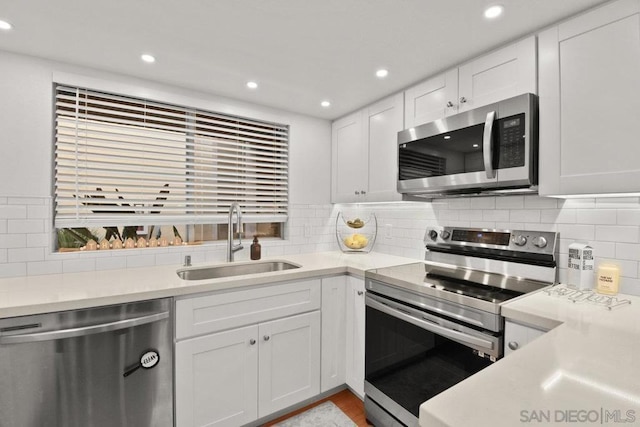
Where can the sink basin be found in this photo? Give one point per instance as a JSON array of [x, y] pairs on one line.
[[234, 270]]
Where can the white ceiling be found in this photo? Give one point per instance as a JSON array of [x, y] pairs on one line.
[[299, 51]]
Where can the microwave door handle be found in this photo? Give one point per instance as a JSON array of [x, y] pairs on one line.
[[487, 144]]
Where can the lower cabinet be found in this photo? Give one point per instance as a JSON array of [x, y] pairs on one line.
[[217, 379], [334, 332], [234, 377], [355, 335], [517, 336], [244, 355]]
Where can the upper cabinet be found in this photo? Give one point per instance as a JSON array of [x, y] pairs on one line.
[[349, 158], [431, 100], [590, 102], [501, 74], [364, 153]]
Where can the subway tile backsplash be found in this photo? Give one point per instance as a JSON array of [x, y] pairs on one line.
[[610, 225]]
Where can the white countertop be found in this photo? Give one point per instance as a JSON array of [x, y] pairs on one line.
[[41, 294], [589, 363]]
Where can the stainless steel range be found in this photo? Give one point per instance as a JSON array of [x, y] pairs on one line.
[[430, 325]]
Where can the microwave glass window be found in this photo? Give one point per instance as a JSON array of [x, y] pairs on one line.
[[511, 142], [448, 153]]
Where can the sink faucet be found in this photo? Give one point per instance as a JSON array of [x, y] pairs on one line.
[[231, 248]]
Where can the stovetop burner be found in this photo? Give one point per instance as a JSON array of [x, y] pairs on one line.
[[481, 292]]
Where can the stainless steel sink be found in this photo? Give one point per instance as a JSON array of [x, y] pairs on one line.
[[203, 273]]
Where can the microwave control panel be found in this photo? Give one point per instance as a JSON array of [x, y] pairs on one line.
[[511, 142]]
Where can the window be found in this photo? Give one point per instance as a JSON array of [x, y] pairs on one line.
[[128, 167]]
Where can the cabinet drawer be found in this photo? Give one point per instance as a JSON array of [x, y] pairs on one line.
[[217, 312]]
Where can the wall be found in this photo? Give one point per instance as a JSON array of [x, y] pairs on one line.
[[26, 121], [610, 225], [26, 126]]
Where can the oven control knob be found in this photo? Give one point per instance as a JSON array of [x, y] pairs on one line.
[[519, 240], [539, 242], [445, 234], [433, 234]]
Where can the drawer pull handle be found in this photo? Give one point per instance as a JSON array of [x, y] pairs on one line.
[[360, 293], [266, 337], [252, 341]]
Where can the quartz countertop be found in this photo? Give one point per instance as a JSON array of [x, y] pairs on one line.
[[584, 371], [41, 294]]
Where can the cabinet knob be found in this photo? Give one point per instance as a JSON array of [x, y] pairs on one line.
[[449, 104], [266, 337], [357, 193], [363, 192], [360, 293], [463, 100], [252, 341], [513, 345]]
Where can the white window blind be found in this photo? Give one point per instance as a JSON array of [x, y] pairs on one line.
[[128, 161]]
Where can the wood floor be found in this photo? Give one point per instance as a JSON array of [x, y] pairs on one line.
[[348, 402]]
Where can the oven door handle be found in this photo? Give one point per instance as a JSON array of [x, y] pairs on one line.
[[430, 326]]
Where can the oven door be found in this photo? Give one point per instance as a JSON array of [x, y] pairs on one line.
[[412, 355]]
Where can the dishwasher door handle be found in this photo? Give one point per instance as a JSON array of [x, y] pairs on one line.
[[82, 331]]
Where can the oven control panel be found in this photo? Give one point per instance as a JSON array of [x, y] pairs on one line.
[[543, 242]]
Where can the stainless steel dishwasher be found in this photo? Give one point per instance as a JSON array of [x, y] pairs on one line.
[[106, 366]]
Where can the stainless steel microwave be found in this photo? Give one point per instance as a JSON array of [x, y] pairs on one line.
[[488, 150]]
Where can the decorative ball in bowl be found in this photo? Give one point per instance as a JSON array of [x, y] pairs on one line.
[[356, 223], [356, 241]]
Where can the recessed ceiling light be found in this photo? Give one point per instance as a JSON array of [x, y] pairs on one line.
[[252, 85], [150, 59], [475, 145], [325, 104], [493, 11], [382, 73], [4, 25], [447, 137]]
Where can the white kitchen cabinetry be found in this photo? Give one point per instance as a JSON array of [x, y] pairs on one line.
[[517, 336], [590, 102], [267, 361], [364, 153], [289, 362], [332, 362], [349, 158], [431, 100], [355, 335], [501, 74], [216, 379]]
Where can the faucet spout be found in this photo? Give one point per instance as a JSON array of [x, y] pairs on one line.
[[231, 247]]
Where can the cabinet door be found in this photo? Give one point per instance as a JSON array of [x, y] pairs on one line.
[[289, 365], [431, 100], [355, 335], [332, 371], [507, 72], [216, 379], [517, 336], [590, 102], [349, 155], [383, 122]]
